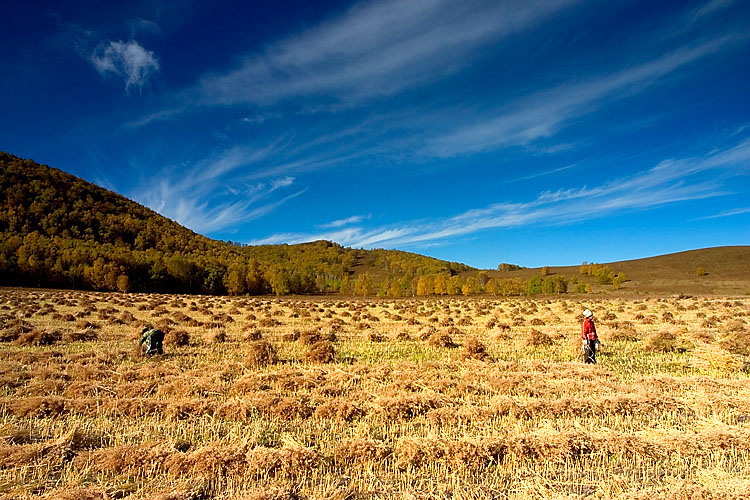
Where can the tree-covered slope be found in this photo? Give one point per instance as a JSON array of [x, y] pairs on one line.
[[58, 230]]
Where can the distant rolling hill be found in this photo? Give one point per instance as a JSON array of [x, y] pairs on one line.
[[57, 230], [727, 271]]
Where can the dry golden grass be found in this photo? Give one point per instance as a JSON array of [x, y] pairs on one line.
[[266, 398], [441, 339], [177, 338], [474, 349], [536, 338], [262, 353], [320, 352]]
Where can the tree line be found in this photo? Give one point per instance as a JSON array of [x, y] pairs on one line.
[[57, 230]]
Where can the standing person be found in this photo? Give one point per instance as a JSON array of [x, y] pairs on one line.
[[153, 339], [589, 338]]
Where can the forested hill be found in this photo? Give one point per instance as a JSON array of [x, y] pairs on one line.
[[57, 230]]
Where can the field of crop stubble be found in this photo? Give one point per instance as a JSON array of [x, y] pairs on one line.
[[268, 398]]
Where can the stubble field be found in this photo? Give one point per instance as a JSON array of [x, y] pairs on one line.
[[262, 398]]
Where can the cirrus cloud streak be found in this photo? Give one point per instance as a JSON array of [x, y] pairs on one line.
[[671, 181], [374, 49]]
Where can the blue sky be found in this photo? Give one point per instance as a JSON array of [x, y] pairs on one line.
[[536, 132]]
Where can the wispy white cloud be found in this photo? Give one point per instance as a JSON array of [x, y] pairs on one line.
[[544, 173], [215, 193], [544, 113], [380, 49], [727, 213], [709, 8], [374, 49], [354, 219], [281, 183], [696, 17], [205, 218], [355, 237], [742, 128], [670, 181], [164, 114], [128, 60], [235, 163]]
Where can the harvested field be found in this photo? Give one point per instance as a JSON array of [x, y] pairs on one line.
[[345, 399]]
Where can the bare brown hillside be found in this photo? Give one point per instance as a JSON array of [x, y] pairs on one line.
[[727, 273]]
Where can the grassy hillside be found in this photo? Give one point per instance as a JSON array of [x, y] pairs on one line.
[[57, 230], [727, 271]]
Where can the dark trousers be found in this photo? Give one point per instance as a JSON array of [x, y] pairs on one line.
[[589, 351], [154, 347]]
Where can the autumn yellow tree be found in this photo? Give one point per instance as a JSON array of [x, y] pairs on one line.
[[362, 285], [618, 280], [491, 286], [234, 282], [425, 285], [560, 283], [441, 284], [346, 285], [123, 283], [483, 277], [512, 287], [453, 286], [278, 278], [394, 289], [471, 286]]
